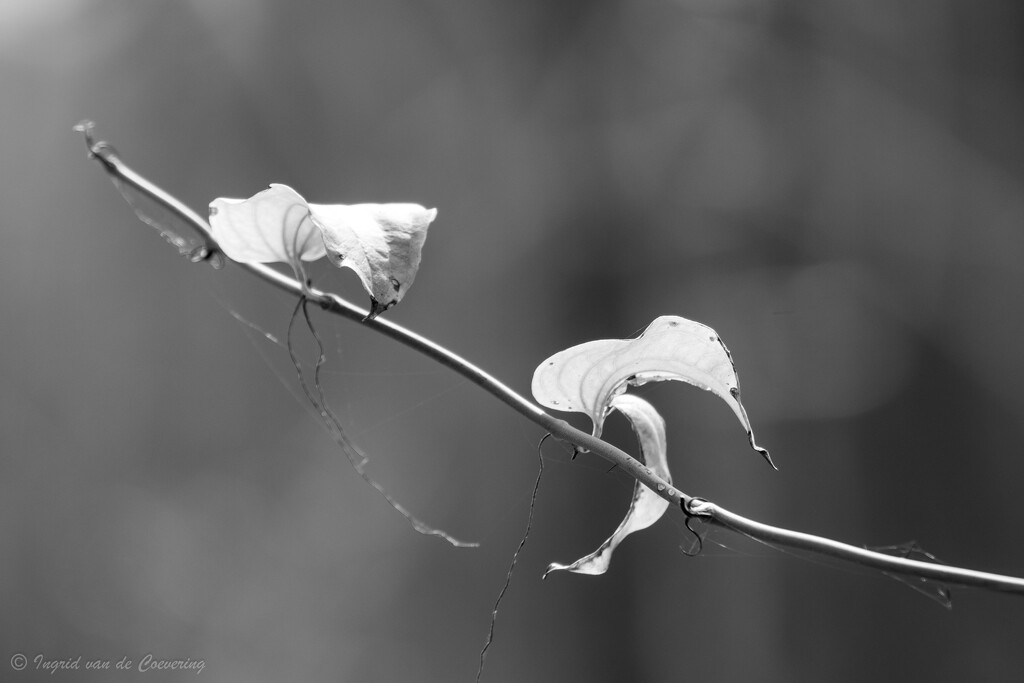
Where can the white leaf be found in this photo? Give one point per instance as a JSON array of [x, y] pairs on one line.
[[382, 243], [585, 378], [646, 507], [274, 225]]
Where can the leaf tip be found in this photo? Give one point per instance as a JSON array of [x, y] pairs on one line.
[[553, 567], [763, 452]]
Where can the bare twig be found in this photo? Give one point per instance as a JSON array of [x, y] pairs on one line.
[[697, 507]]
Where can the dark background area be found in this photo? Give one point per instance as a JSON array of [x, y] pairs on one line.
[[835, 187]]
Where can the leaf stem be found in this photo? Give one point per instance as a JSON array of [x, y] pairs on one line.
[[560, 429]]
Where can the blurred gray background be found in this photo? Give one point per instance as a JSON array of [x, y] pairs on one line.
[[836, 187]]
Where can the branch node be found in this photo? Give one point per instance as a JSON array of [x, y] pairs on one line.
[[696, 507]]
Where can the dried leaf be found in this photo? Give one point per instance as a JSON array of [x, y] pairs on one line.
[[646, 507], [382, 243], [274, 225], [585, 378]]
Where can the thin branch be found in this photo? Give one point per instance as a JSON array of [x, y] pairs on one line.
[[560, 429], [891, 564]]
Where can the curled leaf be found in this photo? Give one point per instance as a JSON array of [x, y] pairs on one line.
[[382, 243], [274, 225], [646, 507], [586, 377]]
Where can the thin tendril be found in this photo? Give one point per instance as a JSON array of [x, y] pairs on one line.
[[699, 544], [515, 557], [333, 424], [355, 456]]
